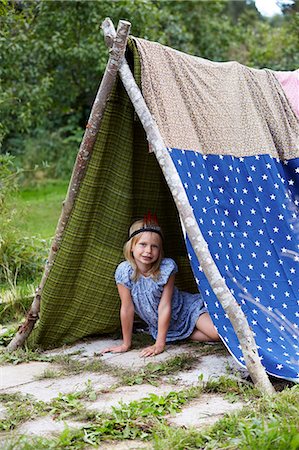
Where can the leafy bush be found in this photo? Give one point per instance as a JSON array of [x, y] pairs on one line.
[[8, 180], [46, 154], [53, 54], [21, 258]]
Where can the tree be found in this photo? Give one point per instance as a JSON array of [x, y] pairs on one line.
[[53, 56]]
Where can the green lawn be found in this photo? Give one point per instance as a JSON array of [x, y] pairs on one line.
[[39, 208]]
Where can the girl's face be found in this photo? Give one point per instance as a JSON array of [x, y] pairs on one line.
[[146, 250]]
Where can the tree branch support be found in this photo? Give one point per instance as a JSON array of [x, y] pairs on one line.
[[117, 51]]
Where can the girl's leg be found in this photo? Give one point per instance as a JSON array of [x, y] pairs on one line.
[[204, 330]]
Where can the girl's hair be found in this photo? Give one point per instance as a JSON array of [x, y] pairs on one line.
[[128, 254]]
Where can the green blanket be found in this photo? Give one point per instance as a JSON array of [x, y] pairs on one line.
[[122, 182]]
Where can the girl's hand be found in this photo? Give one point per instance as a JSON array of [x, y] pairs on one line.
[[153, 350], [117, 349]]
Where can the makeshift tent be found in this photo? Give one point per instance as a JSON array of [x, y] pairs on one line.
[[230, 140]]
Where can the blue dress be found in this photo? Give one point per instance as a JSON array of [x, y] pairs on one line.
[[146, 294]]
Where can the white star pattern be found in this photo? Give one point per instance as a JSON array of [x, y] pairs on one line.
[[247, 210]]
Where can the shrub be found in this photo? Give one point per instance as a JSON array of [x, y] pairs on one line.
[[21, 258], [46, 154]]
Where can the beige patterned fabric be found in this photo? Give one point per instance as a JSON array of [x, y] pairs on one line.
[[216, 108]]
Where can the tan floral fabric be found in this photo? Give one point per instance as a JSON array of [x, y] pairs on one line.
[[216, 108]]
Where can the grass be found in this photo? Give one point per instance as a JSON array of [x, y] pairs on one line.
[[35, 212], [152, 373], [15, 300], [264, 423], [39, 208]]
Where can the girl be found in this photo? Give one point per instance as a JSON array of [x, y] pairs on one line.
[[145, 283]]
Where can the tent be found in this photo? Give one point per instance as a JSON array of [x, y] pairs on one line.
[[225, 139]]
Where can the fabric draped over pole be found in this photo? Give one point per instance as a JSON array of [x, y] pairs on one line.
[[233, 137]]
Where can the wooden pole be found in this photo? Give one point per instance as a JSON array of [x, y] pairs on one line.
[[117, 51], [200, 246]]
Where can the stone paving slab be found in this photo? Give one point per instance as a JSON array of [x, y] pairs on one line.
[[132, 359], [22, 373], [46, 426], [204, 411], [211, 367], [128, 394], [48, 389], [85, 349], [125, 445]]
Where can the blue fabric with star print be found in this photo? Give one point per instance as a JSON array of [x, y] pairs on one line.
[[247, 210], [146, 294]]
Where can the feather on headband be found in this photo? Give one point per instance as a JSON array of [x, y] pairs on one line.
[[150, 223]]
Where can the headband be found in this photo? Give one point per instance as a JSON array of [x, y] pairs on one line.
[[145, 228]]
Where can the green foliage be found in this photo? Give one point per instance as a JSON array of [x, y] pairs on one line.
[[15, 300], [8, 185], [47, 154], [264, 44], [66, 405], [21, 258], [6, 336], [53, 57], [68, 440], [18, 409], [15, 253], [153, 372], [25, 89], [22, 355], [267, 434], [231, 387], [56, 57], [136, 420]]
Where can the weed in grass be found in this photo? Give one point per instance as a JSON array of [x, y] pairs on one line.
[[23, 355], [284, 404], [6, 334], [89, 391], [19, 409], [68, 440], [232, 387], [166, 438], [66, 405], [15, 300], [48, 374], [69, 365], [153, 372], [260, 426], [66, 362], [137, 419], [70, 405], [265, 434]]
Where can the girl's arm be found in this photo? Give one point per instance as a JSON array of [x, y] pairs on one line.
[[126, 318], [164, 316]]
